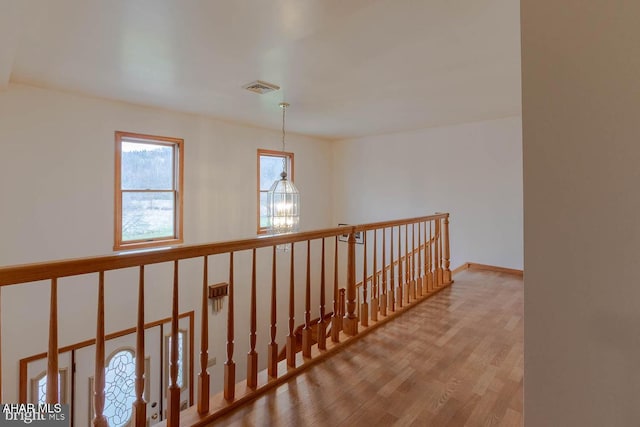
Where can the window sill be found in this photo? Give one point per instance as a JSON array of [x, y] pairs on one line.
[[147, 244]]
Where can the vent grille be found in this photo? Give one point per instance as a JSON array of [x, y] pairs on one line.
[[260, 87]]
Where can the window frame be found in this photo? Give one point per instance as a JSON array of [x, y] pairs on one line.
[[290, 175], [178, 189]]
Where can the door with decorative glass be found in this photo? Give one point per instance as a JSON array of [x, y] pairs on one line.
[[77, 370], [120, 374]]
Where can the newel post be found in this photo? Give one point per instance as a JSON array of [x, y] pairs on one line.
[[447, 271], [350, 324]]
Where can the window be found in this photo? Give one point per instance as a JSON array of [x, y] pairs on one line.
[[269, 170], [148, 191], [39, 387]]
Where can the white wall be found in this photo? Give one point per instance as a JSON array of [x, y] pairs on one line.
[[473, 171], [56, 187], [581, 110]]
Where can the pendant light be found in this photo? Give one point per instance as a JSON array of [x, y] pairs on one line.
[[283, 198]]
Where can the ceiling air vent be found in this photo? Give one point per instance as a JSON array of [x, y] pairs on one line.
[[260, 87]]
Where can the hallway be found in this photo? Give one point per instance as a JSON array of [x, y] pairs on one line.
[[455, 359]]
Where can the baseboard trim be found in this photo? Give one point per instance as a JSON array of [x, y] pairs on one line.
[[457, 270], [486, 267]]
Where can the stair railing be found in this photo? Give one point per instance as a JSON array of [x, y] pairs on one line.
[[385, 293]]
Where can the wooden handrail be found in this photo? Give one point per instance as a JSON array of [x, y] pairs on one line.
[[24, 273], [386, 224]]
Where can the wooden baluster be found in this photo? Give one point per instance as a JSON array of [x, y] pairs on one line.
[[414, 289], [173, 394], [441, 264], [342, 303], [427, 254], [400, 276], [374, 283], [364, 307], [99, 419], [350, 319], [392, 275], [291, 338], [203, 377], [435, 254], [307, 332], [272, 363], [419, 279], [139, 406], [434, 257], [322, 325], [436, 250], [52, 353], [383, 298], [230, 365], [357, 310], [252, 356], [447, 271], [336, 320], [440, 271], [431, 259], [407, 269], [1, 345]]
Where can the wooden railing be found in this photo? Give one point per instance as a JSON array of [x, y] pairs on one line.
[[377, 247]]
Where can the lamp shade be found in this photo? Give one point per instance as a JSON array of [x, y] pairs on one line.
[[283, 204]]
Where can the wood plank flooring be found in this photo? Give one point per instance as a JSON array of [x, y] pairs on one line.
[[455, 359]]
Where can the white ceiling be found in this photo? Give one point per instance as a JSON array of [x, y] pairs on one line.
[[347, 67]]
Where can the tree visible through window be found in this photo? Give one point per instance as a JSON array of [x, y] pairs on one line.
[[270, 165], [148, 190]]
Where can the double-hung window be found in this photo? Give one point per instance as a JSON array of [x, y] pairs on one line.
[[270, 164], [148, 191]]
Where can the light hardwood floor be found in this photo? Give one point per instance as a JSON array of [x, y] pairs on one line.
[[456, 359]]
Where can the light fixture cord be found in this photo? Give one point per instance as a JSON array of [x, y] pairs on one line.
[[284, 157]]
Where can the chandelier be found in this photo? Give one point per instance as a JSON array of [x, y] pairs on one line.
[[283, 198]]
